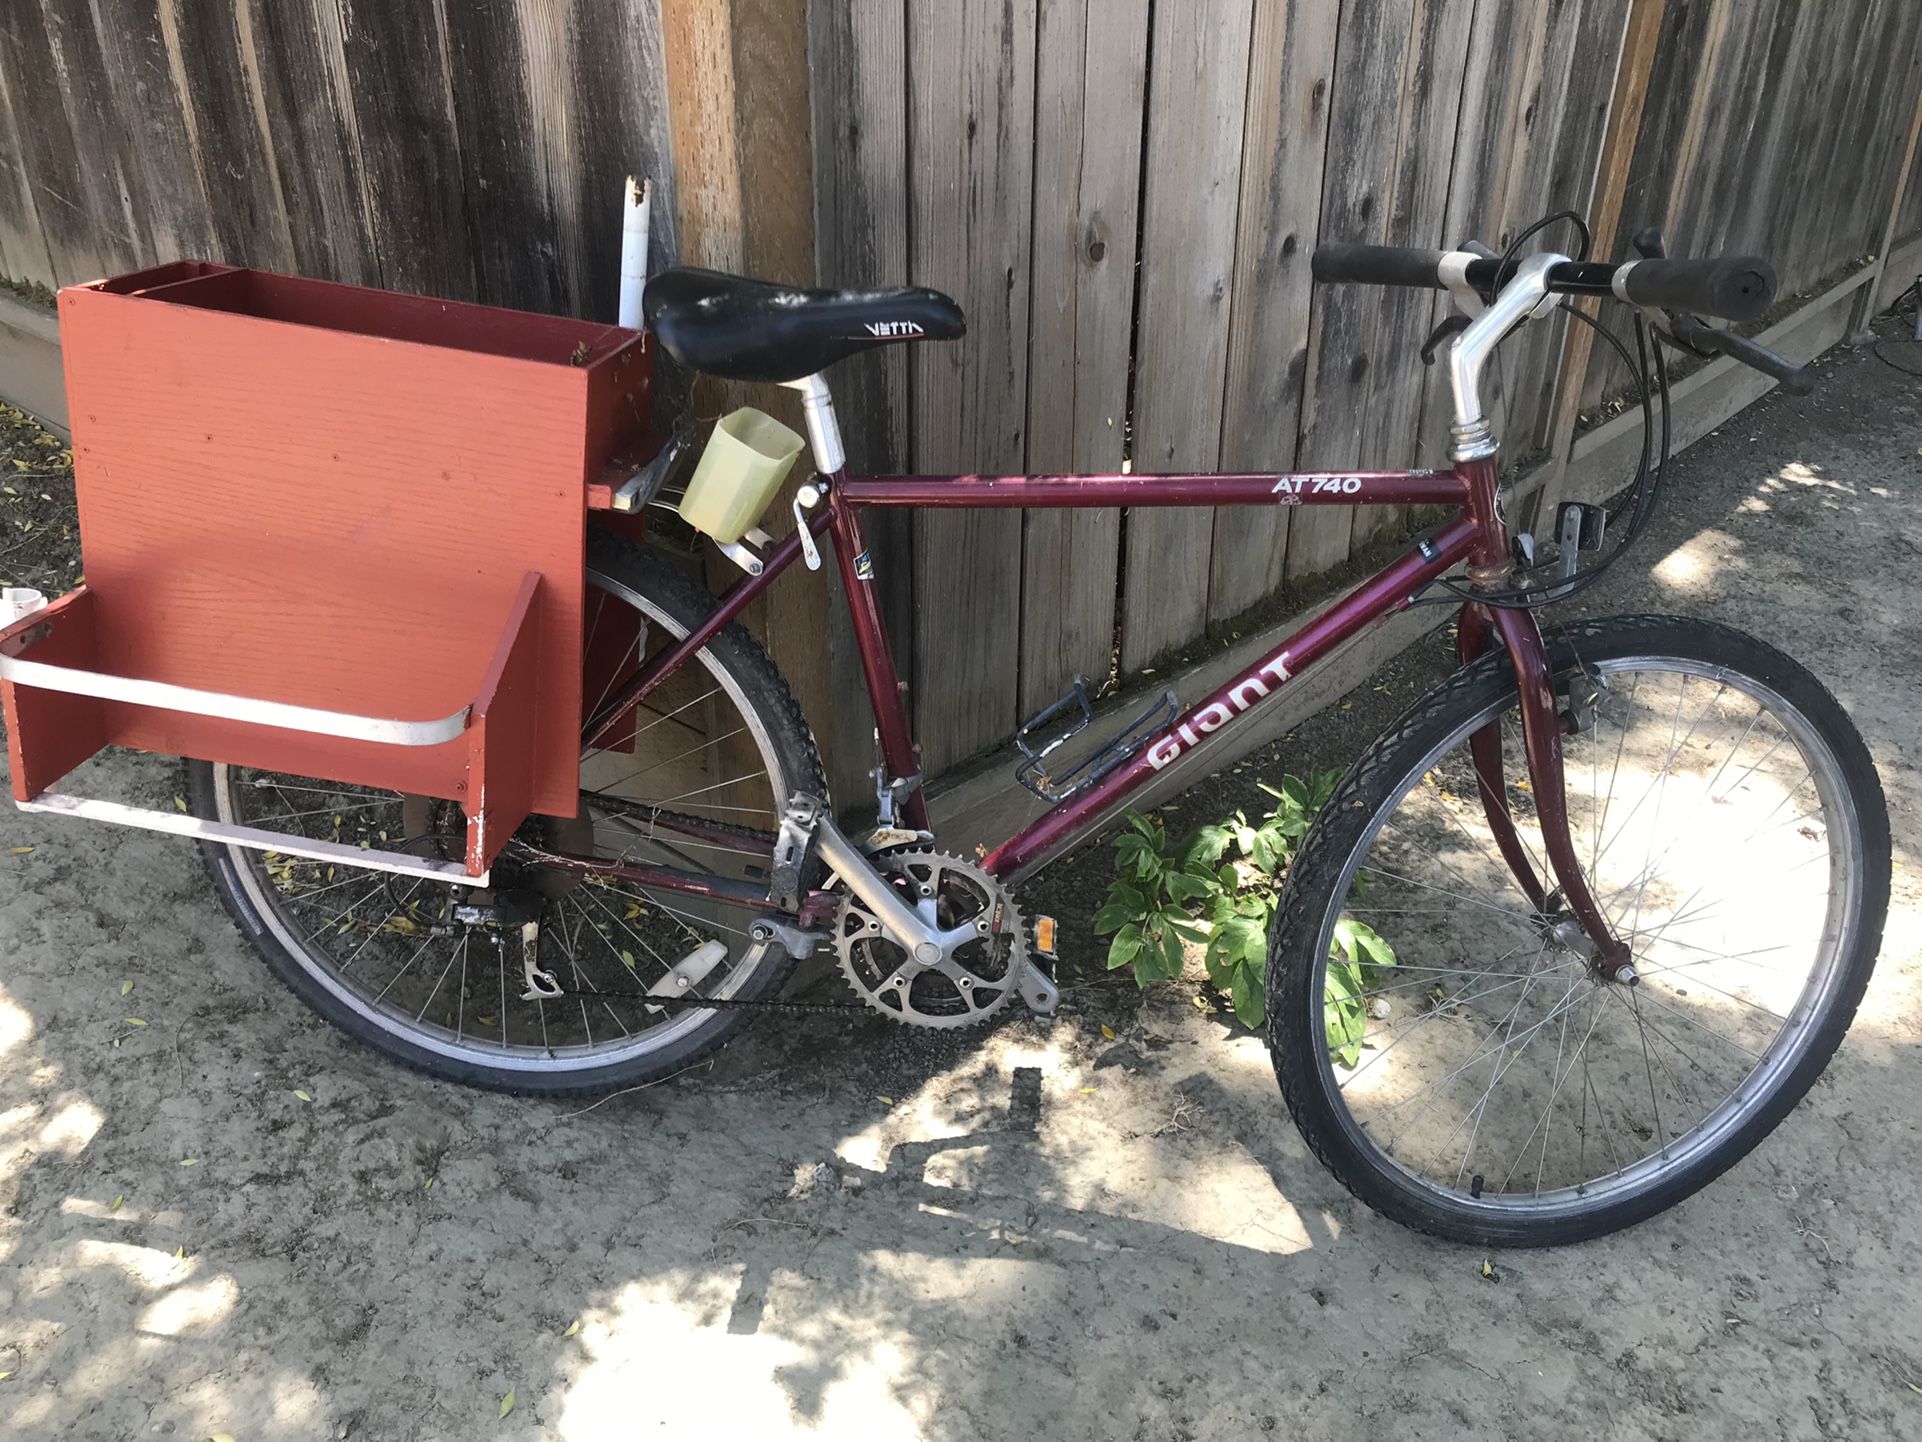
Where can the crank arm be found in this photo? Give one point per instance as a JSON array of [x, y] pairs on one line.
[[925, 944]]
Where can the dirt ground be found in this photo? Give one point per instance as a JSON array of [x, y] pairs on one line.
[[222, 1218]]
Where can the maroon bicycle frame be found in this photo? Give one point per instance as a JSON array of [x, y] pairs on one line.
[[1475, 534]]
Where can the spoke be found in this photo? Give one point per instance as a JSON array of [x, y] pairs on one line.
[[1455, 1002], [1470, 900], [1703, 1027], [404, 970], [459, 954]]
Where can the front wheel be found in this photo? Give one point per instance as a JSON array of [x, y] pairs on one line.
[[1450, 1050]]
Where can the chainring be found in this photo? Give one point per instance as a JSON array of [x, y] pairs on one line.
[[978, 980]]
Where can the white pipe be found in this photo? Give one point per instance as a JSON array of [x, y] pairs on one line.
[[634, 250]]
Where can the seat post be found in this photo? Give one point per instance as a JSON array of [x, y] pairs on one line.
[[823, 431]]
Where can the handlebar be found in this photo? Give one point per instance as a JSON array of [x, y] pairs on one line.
[[1735, 288]]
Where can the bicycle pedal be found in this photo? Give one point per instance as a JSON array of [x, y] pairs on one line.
[[1044, 930], [1034, 772]]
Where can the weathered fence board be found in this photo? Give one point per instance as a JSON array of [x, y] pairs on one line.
[[1291, 64], [1091, 74], [971, 209], [1198, 101]]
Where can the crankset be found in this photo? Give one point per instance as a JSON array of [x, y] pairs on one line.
[[983, 965]]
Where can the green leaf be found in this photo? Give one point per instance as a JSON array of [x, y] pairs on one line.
[[1247, 995], [1124, 947], [1124, 904], [1182, 887], [1142, 824], [1172, 956]]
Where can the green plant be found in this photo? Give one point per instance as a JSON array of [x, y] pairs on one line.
[[1219, 885]]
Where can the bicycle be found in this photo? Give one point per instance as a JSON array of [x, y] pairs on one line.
[[1635, 869]]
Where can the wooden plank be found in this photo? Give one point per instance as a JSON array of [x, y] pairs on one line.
[[1626, 106], [769, 233], [616, 126], [857, 61], [1285, 141], [296, 75], [80, 244], [209, 58], [503, 739], [1091, 81], [1414, 200], [395, 61], [23, 243], [1396, 97], [512, 148], [1900, 185], [971, 113], [1197, 98], [1531, 142]]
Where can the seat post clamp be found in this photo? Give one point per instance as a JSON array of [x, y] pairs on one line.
[[823, 430]]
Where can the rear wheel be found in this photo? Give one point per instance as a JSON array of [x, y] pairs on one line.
[[392, 962], [1453, 1053]]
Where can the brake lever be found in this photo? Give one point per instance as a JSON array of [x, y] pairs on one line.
[[1452, 325]]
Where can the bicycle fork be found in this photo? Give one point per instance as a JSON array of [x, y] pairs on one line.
[[1542, 728]]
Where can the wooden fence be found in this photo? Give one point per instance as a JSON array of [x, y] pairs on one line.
[[1124, 195]]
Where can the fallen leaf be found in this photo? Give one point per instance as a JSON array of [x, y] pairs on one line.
[[885, 1101], [114, 1205], [572, 1327], [1488, 1271], [4, 1376], [220, 1437], [22, 850], [507, 1402], [1107, 1032], [133, 1021], [126, 986], [179, 1252], [1087, 1090], [627, 960], [190, 1161], [180, 803], [303, 1096]]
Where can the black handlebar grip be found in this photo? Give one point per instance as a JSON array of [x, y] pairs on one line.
[[1734, 287], [1378, 265]]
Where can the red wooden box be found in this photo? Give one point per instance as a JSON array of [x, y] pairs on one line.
[[328, 497]]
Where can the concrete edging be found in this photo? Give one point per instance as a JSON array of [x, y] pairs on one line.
[[30, 372]]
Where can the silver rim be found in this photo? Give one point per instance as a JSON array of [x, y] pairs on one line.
[[596, 937], [1488, 1065]]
